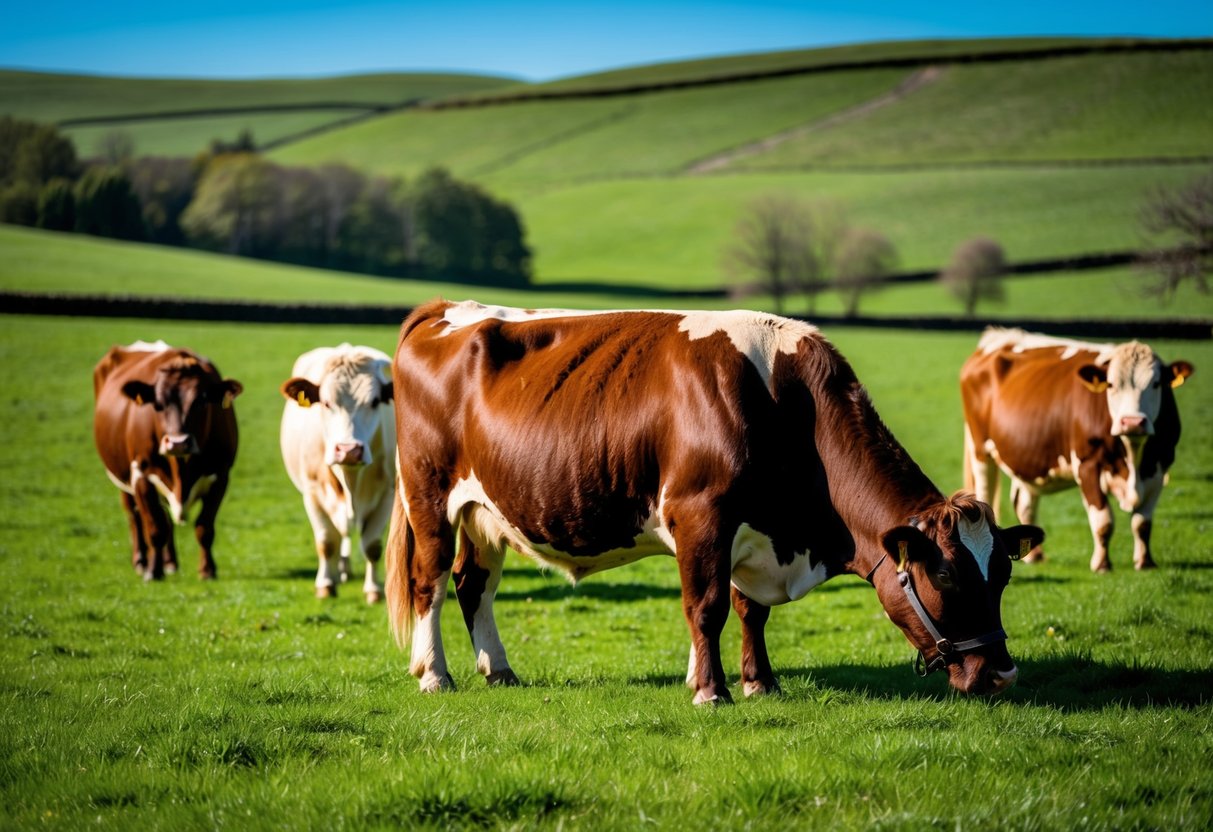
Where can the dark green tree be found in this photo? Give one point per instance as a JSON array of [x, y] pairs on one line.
[[57, 206], [106, 205]]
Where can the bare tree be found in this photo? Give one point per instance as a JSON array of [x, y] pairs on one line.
[[773, 249], [975, 272], [1179, 222], [863, 260], [115, 147]]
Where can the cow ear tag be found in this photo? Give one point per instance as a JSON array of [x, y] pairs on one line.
[[303, 400], [227, 400], [139, 400], [1025, 546], [903, 555]]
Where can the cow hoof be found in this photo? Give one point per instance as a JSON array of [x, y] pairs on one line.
[[1141, 566], [505, 678], [432, 683], [756, 688], [1101, 568], [707, 697], [374, 597], [150, 575], [170, 569], [326, 591], [207, 576]]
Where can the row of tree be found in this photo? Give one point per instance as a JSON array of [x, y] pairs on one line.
[[785, 247], [230, 199]]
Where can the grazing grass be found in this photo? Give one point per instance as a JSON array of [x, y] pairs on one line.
[[246, 703], [49, 262]]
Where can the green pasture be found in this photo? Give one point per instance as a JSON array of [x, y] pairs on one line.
[[1144, 105], [248, 704], [56, 263]]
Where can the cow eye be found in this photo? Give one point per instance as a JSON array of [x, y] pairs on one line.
[[945, 579]]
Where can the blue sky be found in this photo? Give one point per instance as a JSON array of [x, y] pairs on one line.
[[535, 40]]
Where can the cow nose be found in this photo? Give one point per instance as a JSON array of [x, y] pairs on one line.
[[348, 453], [1132, 424], [1000, 680], [179, 444]]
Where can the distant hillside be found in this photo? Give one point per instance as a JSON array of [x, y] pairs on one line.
[[180, 116]]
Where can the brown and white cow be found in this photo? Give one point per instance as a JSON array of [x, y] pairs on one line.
[[166, 431], [740, 443], [339, 445], [1054, 413]]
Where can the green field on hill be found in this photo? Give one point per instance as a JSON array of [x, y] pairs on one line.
[[247, 703], [56, 263]]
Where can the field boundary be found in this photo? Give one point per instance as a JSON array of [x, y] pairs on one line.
[[102, 306]]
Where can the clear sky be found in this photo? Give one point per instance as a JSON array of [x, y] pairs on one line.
[[536, 40]]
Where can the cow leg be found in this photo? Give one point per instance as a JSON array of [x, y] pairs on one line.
[[982, 475], [204, 528], [170, 555], [1150, 490], [343, 567], [703, 566], [1026, 501], [1099, 515], [156, 527], [477, 574], [370, 538], [429, 575], [138, 542], [756, 674], [328, 540]]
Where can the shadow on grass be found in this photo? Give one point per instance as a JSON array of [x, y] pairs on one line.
[[1068, 683]]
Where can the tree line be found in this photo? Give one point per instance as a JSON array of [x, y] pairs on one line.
[[232, 200]]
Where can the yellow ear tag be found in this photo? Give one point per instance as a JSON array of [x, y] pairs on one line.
[[227, 400], [139, 400], [1025, 546], [303, 400], [1177, 381], [903, 555]]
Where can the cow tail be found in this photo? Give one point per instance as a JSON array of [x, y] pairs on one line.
[[398, 567], [970, 476]]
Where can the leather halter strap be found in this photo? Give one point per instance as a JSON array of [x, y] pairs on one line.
[[944, 648]]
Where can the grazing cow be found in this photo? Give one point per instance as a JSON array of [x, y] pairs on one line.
[[339, 445], [740, 443], [166, 431], [1054, 413]]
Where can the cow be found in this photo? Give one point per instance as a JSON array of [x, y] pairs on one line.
[[738, 442], [339, 445], [165, 429], [1054, 413]]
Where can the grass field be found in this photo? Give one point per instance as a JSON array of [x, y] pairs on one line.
[[42, 261], [248, 704]]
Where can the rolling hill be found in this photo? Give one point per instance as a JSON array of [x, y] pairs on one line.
[[1048, 145]]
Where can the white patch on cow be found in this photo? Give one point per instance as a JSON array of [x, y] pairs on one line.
[[977, 538], [469, 313], [469, 506], [995, 339], [1133, 373], [122, 486], [147, 346], [756, 335], [692, 668], [758, 573], [177, 510], [428, 659]]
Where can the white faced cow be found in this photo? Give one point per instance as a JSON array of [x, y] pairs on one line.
[[1054, 413], [339, 446]]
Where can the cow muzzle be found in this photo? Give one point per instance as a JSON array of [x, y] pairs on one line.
[[349, 453], [179, 445], [1134, 424]]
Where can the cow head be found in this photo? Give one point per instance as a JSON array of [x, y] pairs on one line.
[[1133, 383], [351, 394], [958, 563], [184, 396]]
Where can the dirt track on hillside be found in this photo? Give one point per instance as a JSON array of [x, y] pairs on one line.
[[911, 84]]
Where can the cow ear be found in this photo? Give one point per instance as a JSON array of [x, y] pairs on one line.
[[301, 391], [140, 392], [386, 391], [1019, 540], [1093, 378], [905, 544], [227, 390], [1180, 371]]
